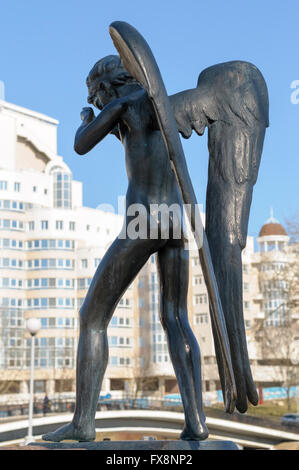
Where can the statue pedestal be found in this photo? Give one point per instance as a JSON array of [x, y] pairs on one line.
[[146, 445]]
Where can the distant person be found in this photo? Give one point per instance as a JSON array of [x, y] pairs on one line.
[[46, 405]]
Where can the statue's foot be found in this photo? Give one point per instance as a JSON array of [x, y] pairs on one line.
[[70, 432], [199, 434]]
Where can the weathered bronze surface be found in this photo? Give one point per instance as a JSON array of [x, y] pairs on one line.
[[231, 101]]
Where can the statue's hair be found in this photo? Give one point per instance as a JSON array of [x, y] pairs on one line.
[[111, 69]]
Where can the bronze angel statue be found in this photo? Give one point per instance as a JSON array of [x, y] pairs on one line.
[[231, 101]]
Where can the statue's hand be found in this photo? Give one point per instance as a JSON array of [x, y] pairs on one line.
[[87, 115]]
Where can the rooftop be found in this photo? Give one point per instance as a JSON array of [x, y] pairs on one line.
[[272, 227]]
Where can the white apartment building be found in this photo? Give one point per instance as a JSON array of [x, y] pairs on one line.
[[50, 248]]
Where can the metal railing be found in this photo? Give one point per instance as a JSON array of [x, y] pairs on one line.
[[58, 405]]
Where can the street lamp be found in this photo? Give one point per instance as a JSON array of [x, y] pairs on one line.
[[33, 325]]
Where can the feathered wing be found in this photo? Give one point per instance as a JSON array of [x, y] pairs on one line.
[[231, 99]]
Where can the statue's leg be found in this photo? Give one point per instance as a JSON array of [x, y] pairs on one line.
[[115, 273], [173, 265]]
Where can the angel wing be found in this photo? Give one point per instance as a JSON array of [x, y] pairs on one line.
[[231, 100]]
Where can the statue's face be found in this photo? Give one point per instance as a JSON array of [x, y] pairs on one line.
[[100, 92]]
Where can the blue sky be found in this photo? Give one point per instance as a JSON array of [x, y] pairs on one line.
[[48, 47]]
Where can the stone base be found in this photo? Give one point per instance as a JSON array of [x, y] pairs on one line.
[[139, 445]]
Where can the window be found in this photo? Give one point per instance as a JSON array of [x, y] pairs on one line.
[[84, 263], [59, 224], [6, 242], [201, 318], [49, 263], [199, 299], [117, 384], [62, 188], [271, 246], [197, 280], [3, 185], [34, 189], [281, 246], [17, 187], [124, 302], [44, 224], [97, 262], [72, 226], [52, 302]]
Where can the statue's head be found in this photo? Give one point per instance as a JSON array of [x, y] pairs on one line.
[[104, 80]]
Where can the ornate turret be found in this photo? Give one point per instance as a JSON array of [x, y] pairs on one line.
[[272, 236]]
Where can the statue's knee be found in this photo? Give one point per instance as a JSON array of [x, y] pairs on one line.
[[174, 319], [86, 319]]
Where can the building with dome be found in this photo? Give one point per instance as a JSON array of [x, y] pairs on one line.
[[275, 330], [272, 236], [274, 257]]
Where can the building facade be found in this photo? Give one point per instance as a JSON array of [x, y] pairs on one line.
[[50, 248]]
